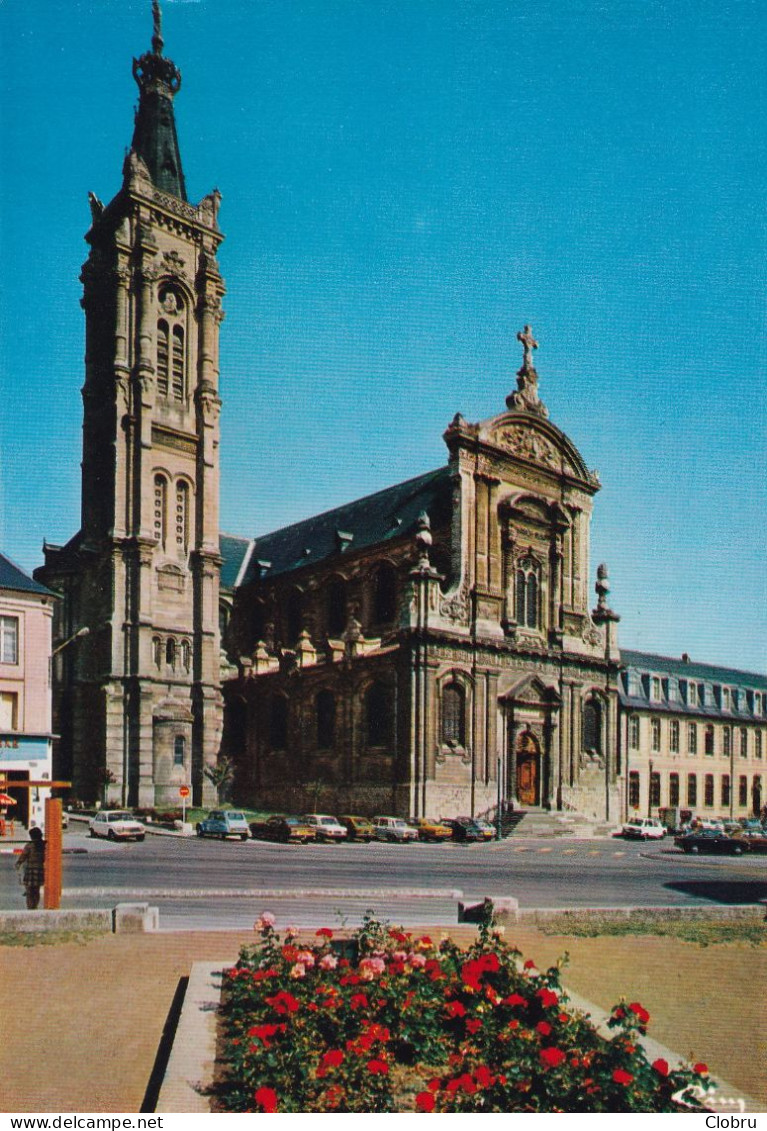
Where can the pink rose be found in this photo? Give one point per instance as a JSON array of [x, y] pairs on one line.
[[328, 962]]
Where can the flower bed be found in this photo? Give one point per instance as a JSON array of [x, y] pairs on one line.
[[388, 1022]]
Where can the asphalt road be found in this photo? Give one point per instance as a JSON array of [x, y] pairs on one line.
[[205, 883]]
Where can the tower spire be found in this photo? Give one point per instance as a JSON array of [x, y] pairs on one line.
[[154, 135]]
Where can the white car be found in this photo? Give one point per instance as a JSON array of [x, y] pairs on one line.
[[393, 829], [328, 828], [643, 828], [116, 824]]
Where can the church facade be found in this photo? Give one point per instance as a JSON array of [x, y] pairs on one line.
[[430, 649]]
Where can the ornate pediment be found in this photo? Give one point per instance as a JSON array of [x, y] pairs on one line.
[[527, 443]]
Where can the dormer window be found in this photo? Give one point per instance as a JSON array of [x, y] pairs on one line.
[[655, 689], [726, 699], [692, 695]]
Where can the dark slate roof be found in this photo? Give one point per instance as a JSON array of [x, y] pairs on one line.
[[233, 550], [14, 577], [376, 519], [689, 669]]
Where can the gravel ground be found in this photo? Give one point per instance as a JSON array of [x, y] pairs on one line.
[[86, 1018]]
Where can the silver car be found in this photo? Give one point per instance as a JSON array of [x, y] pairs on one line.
[[116, 824], [394, 829]]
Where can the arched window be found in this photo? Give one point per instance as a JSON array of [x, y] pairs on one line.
[[592, 725], [179, 750], [157, 650], [170, 652], [162, 358], [177, 385], [453, 715], [379, 711], [186, 654], [171, 354], [336, 609], [326, 719], [278, 722], [527, 593], [294, 616], [385, 595], [182, 515], [161, 509], [257, 622]]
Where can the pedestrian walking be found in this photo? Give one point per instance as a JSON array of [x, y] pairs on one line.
[[31, 861]]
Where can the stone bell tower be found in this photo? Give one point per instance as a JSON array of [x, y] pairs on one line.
[[143, 706]]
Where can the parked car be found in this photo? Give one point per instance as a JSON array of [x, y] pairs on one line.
[[396, 830], [116, 824], [284, 830], [358, 828], [327, 828], [465, 829], [487, 829], [643, 828], [430, 829], [224, 823], [711, 840]]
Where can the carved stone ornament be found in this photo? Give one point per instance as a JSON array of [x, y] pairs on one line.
[[527, 444], [591, 635], [174, 262], [456, 608]]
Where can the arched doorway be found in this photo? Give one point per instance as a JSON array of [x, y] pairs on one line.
[[528, 769]]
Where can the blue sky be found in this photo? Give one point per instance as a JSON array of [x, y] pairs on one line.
[[406, 183]]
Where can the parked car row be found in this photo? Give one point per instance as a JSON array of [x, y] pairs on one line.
[[321, 827], [732, 840]]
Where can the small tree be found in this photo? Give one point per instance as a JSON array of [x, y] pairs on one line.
[[221, 774]]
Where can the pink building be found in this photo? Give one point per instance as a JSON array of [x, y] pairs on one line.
[[26, 616]]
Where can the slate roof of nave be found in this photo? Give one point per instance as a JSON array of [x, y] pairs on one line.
[[371, 521]]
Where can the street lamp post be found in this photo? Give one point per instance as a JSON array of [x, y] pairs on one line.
[[60, 648], [649, 789]]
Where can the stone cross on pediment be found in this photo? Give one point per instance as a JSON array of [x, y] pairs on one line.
[[528, 344]]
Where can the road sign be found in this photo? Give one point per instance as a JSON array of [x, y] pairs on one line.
[[183, 791]]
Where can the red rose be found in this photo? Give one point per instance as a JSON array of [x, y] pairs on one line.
[[484, 1076], [551, 1057], [640, 1012], [543, 1028], [622, 1077], [514, 999], [529, 965], [547, 998], [661, 1067], [266, 1098], [473, 1025], [425, 1101], [283, 1002], [434, 1085], [455, 1009], [358, 1001], [701, 1069], [324, 933], [332, 1058], [377, 1067]]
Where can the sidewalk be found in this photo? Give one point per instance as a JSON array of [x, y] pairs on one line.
[[86, 1036]]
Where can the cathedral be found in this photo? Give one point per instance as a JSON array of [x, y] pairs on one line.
[[427, 650]]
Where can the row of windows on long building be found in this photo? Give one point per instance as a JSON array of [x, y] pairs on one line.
[[691, 790], [723, 739]]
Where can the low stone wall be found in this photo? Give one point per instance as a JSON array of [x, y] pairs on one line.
[[588, 916], [125, 918]]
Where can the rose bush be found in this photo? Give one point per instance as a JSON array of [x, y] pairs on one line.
[[390, 1022]]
